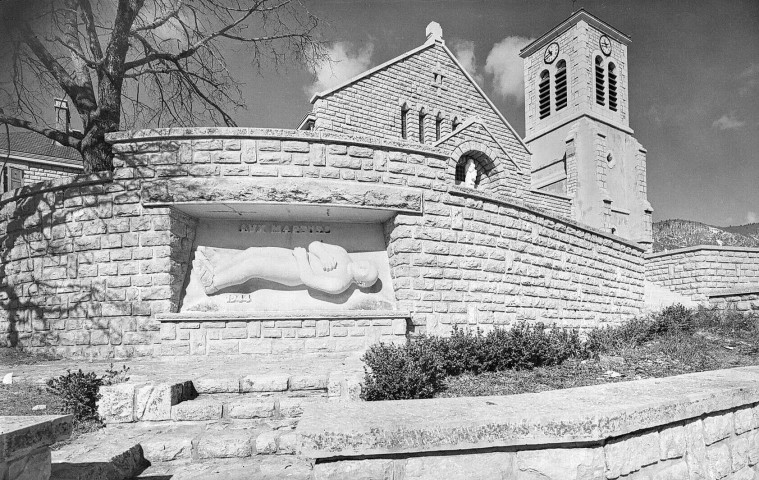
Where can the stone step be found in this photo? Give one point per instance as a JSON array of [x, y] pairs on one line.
[[98, 457], [175, 443], [256, 468], [295, 385], [241, 406]]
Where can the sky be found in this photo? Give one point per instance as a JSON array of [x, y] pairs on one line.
[[693, 79]]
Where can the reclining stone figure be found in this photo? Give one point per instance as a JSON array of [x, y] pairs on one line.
[[324, 267]]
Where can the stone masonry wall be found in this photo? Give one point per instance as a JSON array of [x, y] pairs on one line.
[[705, 269], [719, 445], [88, 264], [84, 267], [36, 172], [555, 204]]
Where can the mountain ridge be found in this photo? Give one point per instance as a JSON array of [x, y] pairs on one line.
[[677, 233]]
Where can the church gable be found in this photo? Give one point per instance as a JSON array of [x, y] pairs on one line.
[[421, 96]]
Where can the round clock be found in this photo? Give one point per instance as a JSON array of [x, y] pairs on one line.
[[552, 51], [605, 43]]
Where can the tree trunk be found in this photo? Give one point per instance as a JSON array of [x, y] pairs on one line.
[[96, 152]]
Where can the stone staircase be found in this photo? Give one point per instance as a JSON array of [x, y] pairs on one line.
[[188, 429]]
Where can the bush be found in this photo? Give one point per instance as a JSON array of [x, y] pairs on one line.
[[79, 390], [673, 320], [417, 370]]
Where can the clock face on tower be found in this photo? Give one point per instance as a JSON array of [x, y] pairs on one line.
[[605, 43], [552, 51]]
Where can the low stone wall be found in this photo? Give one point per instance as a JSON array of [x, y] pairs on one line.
[[550, 202], [743, 300], [230, 334], [25, 445], [697, 426], [704, 270]]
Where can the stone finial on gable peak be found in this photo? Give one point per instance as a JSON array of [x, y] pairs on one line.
[[434, 32]]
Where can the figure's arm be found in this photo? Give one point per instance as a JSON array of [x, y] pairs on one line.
[[324, 283], [328, 254]]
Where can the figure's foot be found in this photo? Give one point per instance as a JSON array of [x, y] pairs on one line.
[[205, 270]]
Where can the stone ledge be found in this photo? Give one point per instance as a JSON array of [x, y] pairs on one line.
[[21, 435], [730, 292], [300, 192], [167, 134], [716, 248], [281, 315], [571, 417], [489, 197]]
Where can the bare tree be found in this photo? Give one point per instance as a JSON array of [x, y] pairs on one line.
[[140, 62]]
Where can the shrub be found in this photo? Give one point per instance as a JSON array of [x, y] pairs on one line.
[[417, 370], [673, 319], [79, 390]]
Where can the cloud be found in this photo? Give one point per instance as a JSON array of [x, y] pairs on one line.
[[347, 61], [751, 217], [464, 51], [728, 122], [504, 64]]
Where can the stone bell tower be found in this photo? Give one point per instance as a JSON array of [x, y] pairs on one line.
[[577, 126]]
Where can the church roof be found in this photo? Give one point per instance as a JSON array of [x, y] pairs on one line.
[[580, 15], [32, 146], [432, 40]]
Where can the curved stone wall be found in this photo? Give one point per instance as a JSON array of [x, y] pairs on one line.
[[88, 264]]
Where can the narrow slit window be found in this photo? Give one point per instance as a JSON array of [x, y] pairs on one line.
[[438, 125], [600, 93], [612, 87], [561, 85], [455, 124], [544, 94], [422, 118], [404, 121]]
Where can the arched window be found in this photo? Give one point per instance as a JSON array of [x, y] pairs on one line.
[[612, 87], [455, 124], [404, 120], [561, 84], [438, 125], [422, 117], [600, 94], [544, 94]]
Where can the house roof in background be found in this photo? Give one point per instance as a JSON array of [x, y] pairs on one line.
[[33, 146]]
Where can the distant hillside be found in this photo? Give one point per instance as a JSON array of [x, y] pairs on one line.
[[671, 234]]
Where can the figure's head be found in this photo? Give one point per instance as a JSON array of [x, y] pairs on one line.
[[364, 273]]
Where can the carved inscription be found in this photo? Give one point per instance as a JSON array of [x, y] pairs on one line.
[[275, 228]]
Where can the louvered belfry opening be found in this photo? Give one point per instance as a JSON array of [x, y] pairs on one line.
[[561, 85], [612, 87], [600, 94], [544, 94]]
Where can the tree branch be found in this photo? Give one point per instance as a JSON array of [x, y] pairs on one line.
[[92, 35], [71, 139]]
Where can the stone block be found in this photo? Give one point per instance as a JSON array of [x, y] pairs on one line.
[[217, 385], [116, 404], [251, 408], [744, 420], [167, 447], [629, 454], [717, 427], [264, 383], [753, 448], [375, 469], [673, 471], [225, 444], [672, 442], [34, 466], [266, 442], [154, 401], [739, 448], [288, 443], [718, 463], [308, 382], [199, 409], [559, 464]]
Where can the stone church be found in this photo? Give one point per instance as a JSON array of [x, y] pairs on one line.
[[579, 158]]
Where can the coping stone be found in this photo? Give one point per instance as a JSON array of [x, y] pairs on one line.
[[584, 415]]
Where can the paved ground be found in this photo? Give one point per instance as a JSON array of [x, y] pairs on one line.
[[167, 369]]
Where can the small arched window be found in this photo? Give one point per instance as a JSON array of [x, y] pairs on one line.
[[600, 80], [422, 118], [612, 87], [455, 124], [404, 120], [561, 85], [438, 125], [544, 94]]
